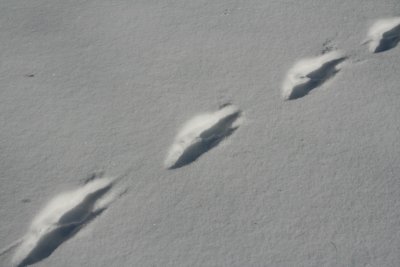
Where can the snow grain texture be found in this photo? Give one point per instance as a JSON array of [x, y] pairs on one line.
[[310, 73], [201, 134], [61, 219], [384, 34]]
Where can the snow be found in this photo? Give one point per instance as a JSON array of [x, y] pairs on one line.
[[60, 219], [201, 134], [97, 85], [310, 73], [384, 34]]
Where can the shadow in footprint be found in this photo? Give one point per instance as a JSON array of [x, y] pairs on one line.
[[208, 139], [389, 40], [316, 78], [65, 228], [48, 243]]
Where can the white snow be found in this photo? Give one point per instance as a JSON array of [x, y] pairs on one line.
[[100, 85], [191, 132], [376, 33], [55, 215], [297, 81]]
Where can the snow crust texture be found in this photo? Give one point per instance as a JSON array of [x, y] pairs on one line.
[[315, 184], [310, 73], [384, 34], [61, 219], [201, 134]]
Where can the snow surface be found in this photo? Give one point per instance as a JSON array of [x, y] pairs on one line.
[[60, 219], [99, 85], [310, 73], [384, 34], [202, 133]]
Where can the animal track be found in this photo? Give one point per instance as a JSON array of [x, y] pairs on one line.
[[61, 219], [201, 134], [310, 73], [384, 34]]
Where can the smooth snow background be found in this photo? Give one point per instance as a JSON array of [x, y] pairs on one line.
[[310, 182]]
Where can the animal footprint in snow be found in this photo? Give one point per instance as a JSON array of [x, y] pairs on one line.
[[202, 133], [310, 73], [63, 217], [384, 34]]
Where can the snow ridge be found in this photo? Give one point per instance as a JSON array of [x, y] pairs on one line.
[[384, 34], [61, 219], [310, 73], [202, 133]]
